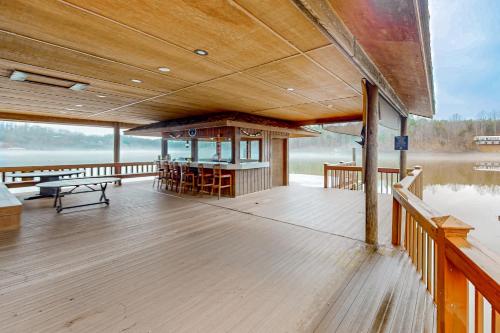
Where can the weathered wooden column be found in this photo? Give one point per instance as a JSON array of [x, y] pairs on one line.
[[164, 147], [194, 149], [402, 153], [235, 145], [116, 150], [371, 163], [116, 143]]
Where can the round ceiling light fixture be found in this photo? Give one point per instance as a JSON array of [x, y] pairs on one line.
[[69, 109], [101, 96], [136, 81], [164, 69], [290, 89], [201, 52], [78, 105]]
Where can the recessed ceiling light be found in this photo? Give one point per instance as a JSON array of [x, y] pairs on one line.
[[164, 69], [79, 86], [290, 89], [101, 96], [69, 109], [201, 52], [79, 105], [18, 76], [136, 81]]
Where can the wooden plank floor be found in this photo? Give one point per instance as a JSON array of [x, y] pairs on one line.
[[153, 262]]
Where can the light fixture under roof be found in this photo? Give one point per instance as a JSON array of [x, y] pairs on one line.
[[69, 109], [201, 52], [79, 86], [330, 106], [101, 96], [79, 105], [164, 69], [18, 76], [290, 89], [136, 81]]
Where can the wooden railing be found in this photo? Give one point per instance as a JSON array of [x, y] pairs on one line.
[[347, 176], [447, 259], [120, 170]]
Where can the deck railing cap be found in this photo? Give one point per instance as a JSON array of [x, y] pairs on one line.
[[450, 222]]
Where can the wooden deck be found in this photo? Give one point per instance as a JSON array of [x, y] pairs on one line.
[[285, 260]]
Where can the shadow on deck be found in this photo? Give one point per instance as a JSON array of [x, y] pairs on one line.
[[284, 260]]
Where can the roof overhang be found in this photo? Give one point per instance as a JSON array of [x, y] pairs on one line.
[[300, 61], [228, 119]]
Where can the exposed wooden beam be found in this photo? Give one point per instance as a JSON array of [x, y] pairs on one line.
[[60, 120], [331, 120], [371, 167], [321, 14]]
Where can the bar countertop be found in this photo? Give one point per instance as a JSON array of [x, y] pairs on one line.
[[229, 166]]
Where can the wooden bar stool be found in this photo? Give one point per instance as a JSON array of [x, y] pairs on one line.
[[188, 179], [218, 182], [176, 176], [160, 174], [204, 179]]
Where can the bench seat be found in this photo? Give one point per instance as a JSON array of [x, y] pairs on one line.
[[10, 210]]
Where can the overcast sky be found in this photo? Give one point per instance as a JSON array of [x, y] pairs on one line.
[[465, 41], [465, 45]]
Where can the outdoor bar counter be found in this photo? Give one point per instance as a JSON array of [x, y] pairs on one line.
[[253, 149], [227, 166]]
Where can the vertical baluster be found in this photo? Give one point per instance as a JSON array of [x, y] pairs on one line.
[[419, 249], [424, 256], [435, 261], [407, 243], [479, 312], [495, 321], [412, 243], [429, 262]]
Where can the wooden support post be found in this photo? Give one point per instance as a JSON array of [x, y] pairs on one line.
[[286, 164], [235, 145], [452, 294], [194, 150], [116, 141], [371, 164], [325, 175], [354, 156], [164, 147], [116, 149], [402, 153]]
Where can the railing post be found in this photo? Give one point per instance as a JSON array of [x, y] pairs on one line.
[[396, 220], [452, 294], [325, 175]]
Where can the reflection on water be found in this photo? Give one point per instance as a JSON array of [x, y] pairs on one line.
[[455, 184]]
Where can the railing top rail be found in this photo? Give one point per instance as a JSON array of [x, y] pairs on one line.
[[69, 166], [477, 263], [347, 167]]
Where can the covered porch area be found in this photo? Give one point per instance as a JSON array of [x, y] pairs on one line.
[[158, 262]]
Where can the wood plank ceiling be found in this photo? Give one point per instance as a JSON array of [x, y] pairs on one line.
[[257, 50]]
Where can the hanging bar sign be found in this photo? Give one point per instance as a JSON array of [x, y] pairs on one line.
[[401, 142]]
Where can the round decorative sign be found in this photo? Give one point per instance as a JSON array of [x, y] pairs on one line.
[[192, 132]]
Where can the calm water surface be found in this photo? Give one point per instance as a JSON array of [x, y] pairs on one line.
[[452, 185]]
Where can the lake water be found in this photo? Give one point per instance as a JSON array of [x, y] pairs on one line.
[[451, 183]]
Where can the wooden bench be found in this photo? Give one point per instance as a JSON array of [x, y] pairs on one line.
[[10, 210]]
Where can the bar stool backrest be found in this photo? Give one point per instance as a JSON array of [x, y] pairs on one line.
[[217, 170], [201, 170], [185, 168]]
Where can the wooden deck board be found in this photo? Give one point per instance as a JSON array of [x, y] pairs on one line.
[[155, 262]]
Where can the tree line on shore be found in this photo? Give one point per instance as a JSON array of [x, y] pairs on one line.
[[27, 136]]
